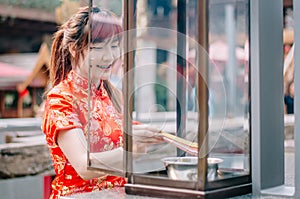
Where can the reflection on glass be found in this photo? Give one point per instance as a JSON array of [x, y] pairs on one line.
[[104, 97], [229, 71], [155, 94], [155, 76]]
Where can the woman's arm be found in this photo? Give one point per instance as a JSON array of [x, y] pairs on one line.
[[73, 144]]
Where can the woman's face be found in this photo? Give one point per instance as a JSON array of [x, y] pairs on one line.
[[102, 57]]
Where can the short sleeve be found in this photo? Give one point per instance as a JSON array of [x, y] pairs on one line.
[[61, 113]]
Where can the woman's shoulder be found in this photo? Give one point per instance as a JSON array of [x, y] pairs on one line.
[[61, 90]]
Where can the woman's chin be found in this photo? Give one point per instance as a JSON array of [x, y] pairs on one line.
[[101, 74], [104, 76]]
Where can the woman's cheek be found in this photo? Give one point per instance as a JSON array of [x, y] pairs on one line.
[[117, 53]]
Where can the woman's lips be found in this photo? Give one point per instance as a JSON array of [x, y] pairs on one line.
[[103, 67]]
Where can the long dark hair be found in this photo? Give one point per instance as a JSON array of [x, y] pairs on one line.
[[75, 32]]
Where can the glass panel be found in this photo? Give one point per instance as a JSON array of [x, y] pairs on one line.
[[105, 84], [165, 89], [155, 80], [160, 82], [229, 114]]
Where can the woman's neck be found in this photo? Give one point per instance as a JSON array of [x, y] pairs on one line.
[[97, 82]]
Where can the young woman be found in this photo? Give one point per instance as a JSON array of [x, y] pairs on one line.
[[66, 121]]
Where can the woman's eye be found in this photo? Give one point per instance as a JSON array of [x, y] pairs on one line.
[[96, 48], [115, 46]]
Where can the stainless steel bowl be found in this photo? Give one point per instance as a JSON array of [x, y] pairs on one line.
[[185, 168]]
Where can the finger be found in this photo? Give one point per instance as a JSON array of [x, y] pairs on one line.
[[146, 133], [143, 133], [148, 141], [145, 127]]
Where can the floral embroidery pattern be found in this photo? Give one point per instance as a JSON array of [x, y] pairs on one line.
[[67, 108]]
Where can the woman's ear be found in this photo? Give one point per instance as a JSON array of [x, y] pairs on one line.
[[72, 49]]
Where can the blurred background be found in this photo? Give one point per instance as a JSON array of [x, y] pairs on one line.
[[26, 28]]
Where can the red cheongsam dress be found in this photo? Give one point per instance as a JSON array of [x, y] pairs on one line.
[[66, 107]]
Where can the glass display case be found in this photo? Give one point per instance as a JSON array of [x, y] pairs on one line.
[[183, 70]]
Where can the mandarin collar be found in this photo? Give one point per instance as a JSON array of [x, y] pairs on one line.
[[83, 83]]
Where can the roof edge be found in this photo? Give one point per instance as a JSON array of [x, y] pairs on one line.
[[27, 13]]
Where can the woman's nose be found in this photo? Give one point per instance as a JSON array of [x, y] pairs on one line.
[[108, 55]]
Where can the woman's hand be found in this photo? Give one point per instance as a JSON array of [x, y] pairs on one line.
[[143, 136], [143, 133]]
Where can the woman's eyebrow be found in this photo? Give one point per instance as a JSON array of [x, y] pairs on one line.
[[115, 39], [98, 44]]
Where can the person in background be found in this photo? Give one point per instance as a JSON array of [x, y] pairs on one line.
[[289, 99], [65, 119]]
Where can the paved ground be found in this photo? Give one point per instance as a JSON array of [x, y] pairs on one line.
[[289, 181], [289, 173]]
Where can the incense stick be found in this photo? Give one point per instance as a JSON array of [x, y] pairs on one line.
[[183, 144]]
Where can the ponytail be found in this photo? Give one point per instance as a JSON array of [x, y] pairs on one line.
[[60, 62], [75, 32]]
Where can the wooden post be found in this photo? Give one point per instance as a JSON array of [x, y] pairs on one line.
[[2, 103], [20, 107], [202, 65], [33, 102], [47, 186]]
